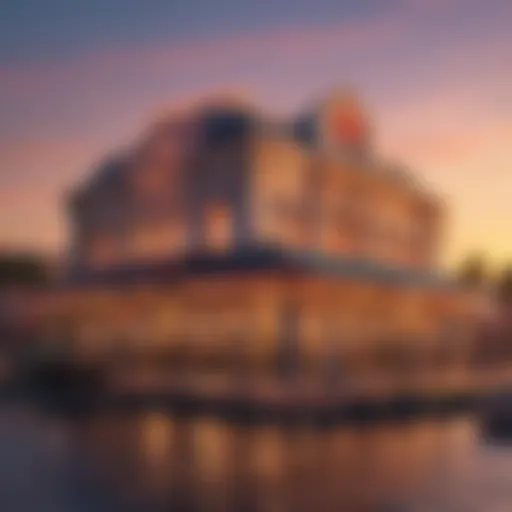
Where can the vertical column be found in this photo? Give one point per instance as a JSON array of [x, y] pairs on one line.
[[288, 348]]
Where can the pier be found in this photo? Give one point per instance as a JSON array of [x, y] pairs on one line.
[[272, 397]]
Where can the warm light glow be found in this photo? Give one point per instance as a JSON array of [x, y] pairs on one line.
[[219, 224]]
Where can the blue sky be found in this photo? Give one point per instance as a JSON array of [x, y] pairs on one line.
[[52, 29]]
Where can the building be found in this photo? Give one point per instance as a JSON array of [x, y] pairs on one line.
[[224, 239]]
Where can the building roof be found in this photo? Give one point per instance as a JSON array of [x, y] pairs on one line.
[[257, 260], [307, 129]]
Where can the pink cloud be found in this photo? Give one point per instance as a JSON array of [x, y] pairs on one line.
[[470, 166], [46, 162], [438, 117], [31, 218], [283, 44], [37, 176]]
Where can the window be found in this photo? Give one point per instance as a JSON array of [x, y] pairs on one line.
[[156, 241], [219, 227], [226, 126], [103, 250]]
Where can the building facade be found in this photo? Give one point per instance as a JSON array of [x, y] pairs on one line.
[[226, 238]]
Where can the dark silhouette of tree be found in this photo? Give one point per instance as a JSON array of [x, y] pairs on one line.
[[23, 270], [504, 285], [473, 271]]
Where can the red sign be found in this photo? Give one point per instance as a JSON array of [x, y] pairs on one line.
[[344, 122], [349, 128]]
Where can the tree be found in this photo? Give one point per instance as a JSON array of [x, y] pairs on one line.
[[473, 271], [504, 285], [18, 269]]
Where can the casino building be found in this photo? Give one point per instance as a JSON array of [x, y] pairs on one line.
[[224, 239]]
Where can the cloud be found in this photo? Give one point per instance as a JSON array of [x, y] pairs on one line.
[[285, 43], [440, 93], [461, 150], [35, 177], [31, 218]]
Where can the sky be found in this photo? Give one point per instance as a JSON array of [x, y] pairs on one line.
[[78, 79]]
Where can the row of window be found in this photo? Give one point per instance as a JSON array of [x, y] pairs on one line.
[[299, 224], [170, 238], [141, 244], [284, 222]]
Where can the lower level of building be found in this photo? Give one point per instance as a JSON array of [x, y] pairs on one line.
[[262, 322]]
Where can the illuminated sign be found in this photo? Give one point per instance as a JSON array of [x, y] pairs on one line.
[[343, 122]]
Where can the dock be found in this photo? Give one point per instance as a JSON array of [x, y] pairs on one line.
[[271, 397]]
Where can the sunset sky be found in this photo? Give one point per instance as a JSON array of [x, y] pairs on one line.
[[80, 78]]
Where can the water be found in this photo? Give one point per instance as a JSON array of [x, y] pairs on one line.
[[156, 462]]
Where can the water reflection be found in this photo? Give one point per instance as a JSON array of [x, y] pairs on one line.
[[158, 462]]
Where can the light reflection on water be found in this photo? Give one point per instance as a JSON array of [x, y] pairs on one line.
[[154, 461]]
